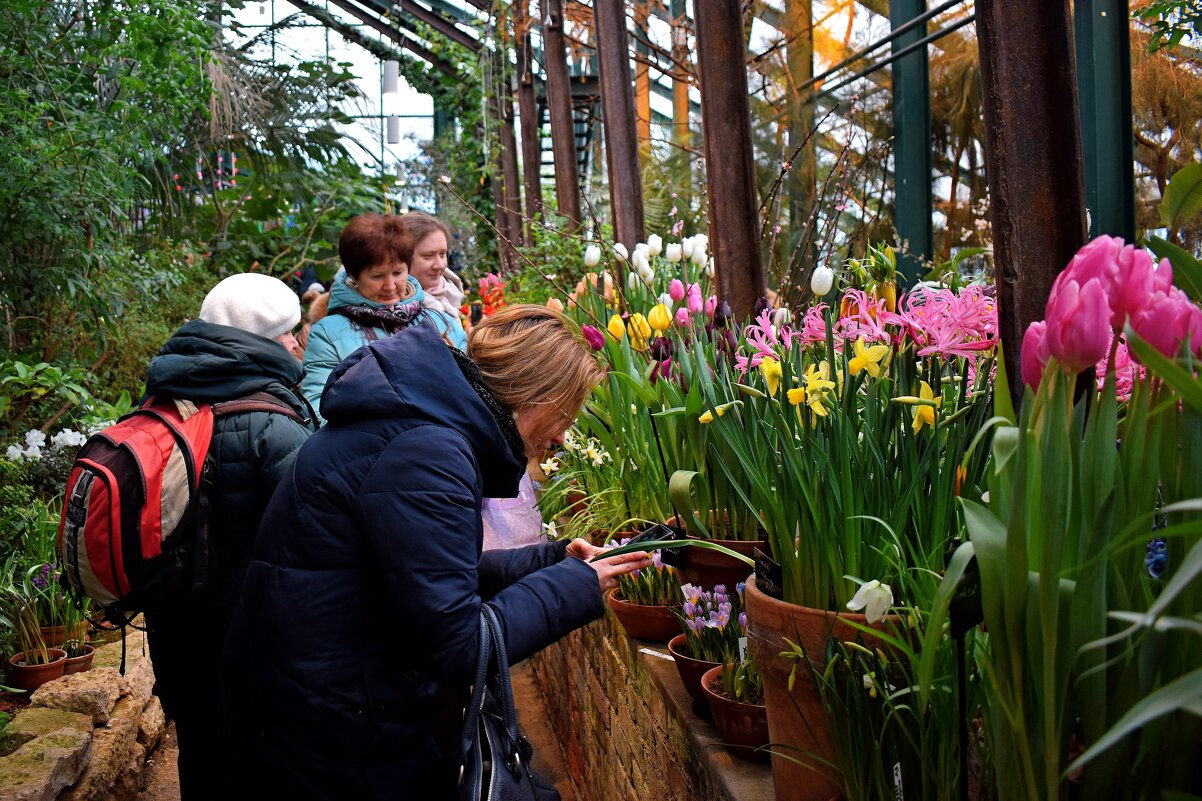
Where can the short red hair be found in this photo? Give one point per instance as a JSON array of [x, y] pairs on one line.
[[372, 239]]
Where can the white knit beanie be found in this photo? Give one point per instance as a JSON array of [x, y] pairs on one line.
[[253, 302]]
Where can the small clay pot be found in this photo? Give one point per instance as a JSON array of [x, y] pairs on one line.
[[55, 636], [655, 623], [706, 569], [744, 727], [78, 664], [30, 677], [691, 670]]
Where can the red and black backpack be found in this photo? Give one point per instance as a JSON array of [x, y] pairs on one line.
[[134, 532]]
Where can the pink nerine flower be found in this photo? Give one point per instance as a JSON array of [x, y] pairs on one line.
[[813, 325], [676, 290], [1126, 371], [1078, 330], [1034, 355]]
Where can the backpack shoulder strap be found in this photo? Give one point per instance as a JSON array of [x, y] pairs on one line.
[[257, 402]]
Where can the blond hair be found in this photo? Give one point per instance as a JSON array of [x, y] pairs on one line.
[[531, 356]]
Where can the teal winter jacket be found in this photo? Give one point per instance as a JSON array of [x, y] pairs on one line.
[[335, 337]]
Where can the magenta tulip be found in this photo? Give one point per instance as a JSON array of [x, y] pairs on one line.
[[1078, 324], [711, 303], [593, 336], [1034, 355], [1098, 259], [676, 290]]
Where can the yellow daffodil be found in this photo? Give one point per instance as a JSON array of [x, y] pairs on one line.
[[772, 374], [660, 318], [925, 415], [639, 330], [818, 386], [867, 358], [708, 416], [616, 327], [797, 396]]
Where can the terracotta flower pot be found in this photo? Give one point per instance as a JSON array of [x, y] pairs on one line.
[[797, 719], [655, 623], [691, 670], [30, 677], [744, 726], [55, 636], [78, 664], [706, 569]]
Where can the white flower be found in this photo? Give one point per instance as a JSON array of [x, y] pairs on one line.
[[32, 452], [592, 256], [643, 248], [620, 249], [14, 453], [550, 531], [640, 262], [709, 268], [781, 318], [550, 466], [874, 598], [632, 280], [634, 409], [655, 245], [666, 299], [673, 253], [699, 255], [686, 247], [68, 439], [822, 280], [35, 438]]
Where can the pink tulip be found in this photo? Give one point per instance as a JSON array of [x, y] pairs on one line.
[[1189, 327], [1098, 259], [711, 303], [695, 304], [682, 317], [1078, 330], [1156, 323], [676, 290], [1136, 280], [1034, 355]]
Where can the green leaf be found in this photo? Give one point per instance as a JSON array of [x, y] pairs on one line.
[[1187, 270], [655, 545], [1182, 197], [1183, 693]]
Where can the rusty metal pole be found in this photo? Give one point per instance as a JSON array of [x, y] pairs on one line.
[[1033, 158], [729, 166], [559, 103], [620, 120], [681, 135], [532, 136], [509, 158]]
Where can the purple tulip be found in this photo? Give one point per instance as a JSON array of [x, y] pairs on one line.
[[1078, 330], [593, 336], [661, 349], [722, 314]]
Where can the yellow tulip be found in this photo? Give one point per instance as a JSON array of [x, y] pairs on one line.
[[660, 318], [772, 374], [925, 415], [616, 326], [867, 358], [639, 330]]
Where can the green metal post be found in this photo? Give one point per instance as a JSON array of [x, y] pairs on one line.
[[1102, 30], [911, 143]]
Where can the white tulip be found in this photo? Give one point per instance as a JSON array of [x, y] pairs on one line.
[[781, 318], [709, 268], [699, 254], [655, 245], [639, 260], [673, 253], [642, 247], [592, 256], [620, 249], [874, 598], [686, 247], [666, 299], [822, 280], [632, 280], [645, 272]]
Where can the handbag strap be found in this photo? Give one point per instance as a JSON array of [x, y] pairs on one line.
[[471, 715], [502, 687]]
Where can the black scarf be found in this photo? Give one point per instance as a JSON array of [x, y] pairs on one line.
[[500, 412], [392, 319]]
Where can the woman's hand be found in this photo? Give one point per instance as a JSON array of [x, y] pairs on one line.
[[583, 549], [608, 570]]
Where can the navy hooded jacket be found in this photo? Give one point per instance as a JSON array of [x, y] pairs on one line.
[[359, 622]]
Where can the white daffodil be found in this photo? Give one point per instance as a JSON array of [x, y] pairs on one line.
[[550, 531], [592, 256], [550, 466], [822, 280], [655, 245], [874, 598]]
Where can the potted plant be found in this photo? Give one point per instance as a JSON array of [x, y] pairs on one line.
[[644, 601], [714, 622], [35, 664], [736, 697]]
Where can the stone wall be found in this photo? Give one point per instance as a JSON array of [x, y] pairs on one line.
[[87, 735], [628, 728]]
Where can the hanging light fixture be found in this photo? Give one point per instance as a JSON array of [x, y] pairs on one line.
[[392, 73], [400, 174], [394, 130]]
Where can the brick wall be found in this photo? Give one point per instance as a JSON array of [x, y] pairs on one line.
[[627, 726]]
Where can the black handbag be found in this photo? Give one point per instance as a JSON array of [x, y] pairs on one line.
[[496, 757]]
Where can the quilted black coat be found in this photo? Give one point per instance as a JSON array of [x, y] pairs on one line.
[[359, 622]]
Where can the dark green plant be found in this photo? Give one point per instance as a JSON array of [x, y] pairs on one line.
[[1171, 21]]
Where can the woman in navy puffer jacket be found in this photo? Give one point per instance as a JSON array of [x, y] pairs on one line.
[[357, 633]]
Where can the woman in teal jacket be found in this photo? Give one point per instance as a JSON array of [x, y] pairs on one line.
[[371, 298]]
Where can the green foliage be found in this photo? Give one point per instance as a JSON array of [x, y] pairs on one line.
[[1182, 199], [742, 681], [1171, 21]]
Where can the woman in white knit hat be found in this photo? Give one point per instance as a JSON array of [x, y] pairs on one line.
[[240, 345]]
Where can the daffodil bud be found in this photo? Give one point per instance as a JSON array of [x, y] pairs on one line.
[[655, 245], [672, 253], [592, 256], [822, 280], [620, 249]]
